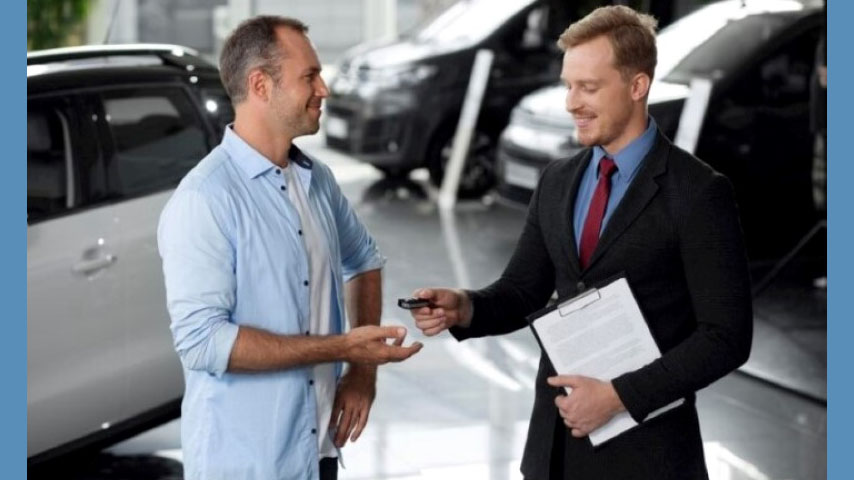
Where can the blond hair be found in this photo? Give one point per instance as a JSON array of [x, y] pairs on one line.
[[632, 36]]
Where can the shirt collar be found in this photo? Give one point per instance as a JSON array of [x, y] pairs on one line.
[[628, 159], [251, 161]]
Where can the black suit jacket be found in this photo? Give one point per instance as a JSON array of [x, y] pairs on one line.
[[676, 237]]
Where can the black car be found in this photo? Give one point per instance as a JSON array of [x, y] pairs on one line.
[[395, 105], [759, 56], [111, 130]]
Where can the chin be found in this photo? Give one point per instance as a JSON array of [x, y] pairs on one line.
[[588, 140]]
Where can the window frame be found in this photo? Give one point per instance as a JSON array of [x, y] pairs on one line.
[[73, 126]]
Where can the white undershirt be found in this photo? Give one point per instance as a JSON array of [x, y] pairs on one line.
[[320, 304]]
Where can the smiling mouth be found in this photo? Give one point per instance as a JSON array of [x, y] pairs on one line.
[[584, 121]]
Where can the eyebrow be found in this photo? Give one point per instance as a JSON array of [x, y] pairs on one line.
[[311, 70], [583, 83]]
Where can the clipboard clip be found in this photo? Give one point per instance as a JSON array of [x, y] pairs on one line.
[[581, 301]]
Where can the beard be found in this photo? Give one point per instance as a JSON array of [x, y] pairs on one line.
[[296, 120], [604, 131]]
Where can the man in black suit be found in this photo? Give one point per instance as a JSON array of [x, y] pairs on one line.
[[631, 205]]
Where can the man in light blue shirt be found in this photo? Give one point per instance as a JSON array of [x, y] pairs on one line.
[[257, 244]]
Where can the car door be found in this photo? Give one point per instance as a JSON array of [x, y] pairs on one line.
[[757, 132], [154, 136], [74, 338]]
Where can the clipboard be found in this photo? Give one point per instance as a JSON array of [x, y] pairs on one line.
[[600, 333]]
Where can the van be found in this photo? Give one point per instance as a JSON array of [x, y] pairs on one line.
[[395, 105]]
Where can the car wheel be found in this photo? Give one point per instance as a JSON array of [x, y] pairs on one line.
[[478, 174]]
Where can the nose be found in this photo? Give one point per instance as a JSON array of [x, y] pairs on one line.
[[320, 88], [571, 100]]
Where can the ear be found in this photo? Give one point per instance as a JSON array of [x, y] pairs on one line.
[[640, 86], [258, 84]]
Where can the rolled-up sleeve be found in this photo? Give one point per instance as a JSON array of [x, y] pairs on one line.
[[198, 266], [359, 250]]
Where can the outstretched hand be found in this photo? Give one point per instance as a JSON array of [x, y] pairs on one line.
[[368, 344]]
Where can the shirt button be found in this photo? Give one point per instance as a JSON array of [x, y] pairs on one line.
[[300, 232], [313, 431], [278, 171], [311, 382], [283, 187], [581, 286], [305, 283], [306, 332]]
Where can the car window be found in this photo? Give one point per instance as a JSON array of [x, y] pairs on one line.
[[529, 33], [782, 78], [785, 76], [50, 182], [157, 136], [729, 47]]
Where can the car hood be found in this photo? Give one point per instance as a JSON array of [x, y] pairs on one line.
[[376, 55], [549, 102]]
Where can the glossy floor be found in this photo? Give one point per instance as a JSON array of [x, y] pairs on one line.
[[460, 410]]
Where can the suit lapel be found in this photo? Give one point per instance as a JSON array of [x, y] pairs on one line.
[[567, 205], [637, 197]]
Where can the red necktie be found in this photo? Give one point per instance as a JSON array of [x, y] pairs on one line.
[[593, 222]]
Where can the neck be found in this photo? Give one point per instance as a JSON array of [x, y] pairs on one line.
[[257, 132], [635, 128]]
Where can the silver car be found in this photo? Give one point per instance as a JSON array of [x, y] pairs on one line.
[[110, 132]]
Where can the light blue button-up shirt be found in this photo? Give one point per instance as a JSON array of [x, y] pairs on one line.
[[232, 255], [628, 162]]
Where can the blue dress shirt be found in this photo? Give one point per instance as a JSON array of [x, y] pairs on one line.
[[232, 255], [628, 162]]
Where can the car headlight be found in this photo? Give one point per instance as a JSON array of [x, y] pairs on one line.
[[404, 76], [521, 116]]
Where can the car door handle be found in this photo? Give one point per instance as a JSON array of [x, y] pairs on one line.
[[89, 266]]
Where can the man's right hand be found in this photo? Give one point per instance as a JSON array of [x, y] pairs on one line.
[[367, 344], [448, 308]]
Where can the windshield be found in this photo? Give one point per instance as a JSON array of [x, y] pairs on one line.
[[713, 40], [469, 21]]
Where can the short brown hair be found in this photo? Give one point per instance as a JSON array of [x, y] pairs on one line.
[[632, 36], [253, 44]]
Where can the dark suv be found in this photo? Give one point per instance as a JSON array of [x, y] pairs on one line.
[[395, 105], [111, 130]]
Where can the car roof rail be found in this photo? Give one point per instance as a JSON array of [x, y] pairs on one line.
[[175, 55]]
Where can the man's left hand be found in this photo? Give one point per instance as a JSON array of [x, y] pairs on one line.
[[353, 401], [590, 405]]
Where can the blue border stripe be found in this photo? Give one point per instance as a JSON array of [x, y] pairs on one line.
[[840, 175], [13, 401]]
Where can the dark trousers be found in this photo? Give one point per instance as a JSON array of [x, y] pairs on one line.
[[328, 469], [556, 463]]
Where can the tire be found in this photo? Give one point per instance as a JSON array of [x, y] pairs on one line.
[[478, 175]]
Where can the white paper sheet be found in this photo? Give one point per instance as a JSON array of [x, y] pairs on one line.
[[600, 334]]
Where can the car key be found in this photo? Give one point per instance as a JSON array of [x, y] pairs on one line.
[[411, 303]]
